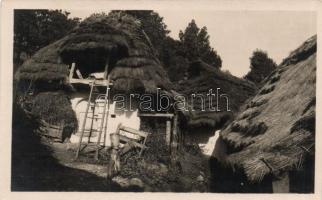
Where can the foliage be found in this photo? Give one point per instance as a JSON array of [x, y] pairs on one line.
[[176, 54], [261, 66], [153, 25], [195, 45], [34, 29]]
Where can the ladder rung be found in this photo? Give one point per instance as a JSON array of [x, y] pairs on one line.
[[94, 117]]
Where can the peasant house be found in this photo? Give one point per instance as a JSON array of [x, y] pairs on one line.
[[271, 141], [214, 97], [67, 81]]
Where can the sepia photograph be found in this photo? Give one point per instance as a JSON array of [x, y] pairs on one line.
[[163, 100]]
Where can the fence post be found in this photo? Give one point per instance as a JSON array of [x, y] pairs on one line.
[[168, 132]]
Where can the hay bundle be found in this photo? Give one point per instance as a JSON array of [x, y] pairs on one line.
[[288, 111], [54, 107]]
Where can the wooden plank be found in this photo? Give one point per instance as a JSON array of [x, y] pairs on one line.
[[136, 132], [168, 132], [126, 139], [52, 132], [144, 141], [136, 144], [130, 142], [87, 133], [127, 147], [79, 74], [44, 123], [168, 115], [71, 72], [174, 133], [102, 120], [90, 81]]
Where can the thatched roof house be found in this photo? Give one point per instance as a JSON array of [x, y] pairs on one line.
[[116, 40], [275, 132], [202, 78]]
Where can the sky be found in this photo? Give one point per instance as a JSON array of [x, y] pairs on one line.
[[236, 34]]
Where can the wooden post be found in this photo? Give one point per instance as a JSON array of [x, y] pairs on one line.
[[79, 74], [84, 121], [106, 66], [102, 122], [168, 132], [282, 184], [174, 143], [115, 164], [71, 72]]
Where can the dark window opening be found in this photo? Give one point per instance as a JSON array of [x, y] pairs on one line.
[[92, 60]]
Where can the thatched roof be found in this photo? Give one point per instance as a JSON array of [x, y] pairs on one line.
[[275, 131], [202, 78], [117, 36]]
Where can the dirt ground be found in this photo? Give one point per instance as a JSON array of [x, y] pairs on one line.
[[51, 166]]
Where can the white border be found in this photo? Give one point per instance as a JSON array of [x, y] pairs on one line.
[[7, 7]]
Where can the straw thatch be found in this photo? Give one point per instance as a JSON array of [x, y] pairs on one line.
[[275, 132], [116, 39], [117, 36], [202, 78]]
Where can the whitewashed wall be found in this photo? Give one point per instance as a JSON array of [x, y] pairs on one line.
[[127, 118]]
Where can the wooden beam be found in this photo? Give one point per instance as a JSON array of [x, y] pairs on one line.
[[89, 82], [71, 72], [174, 143], [132, 142], [136, 132], [168, 132], [79, 74], [106, 67], [126, 139], [167, 115]]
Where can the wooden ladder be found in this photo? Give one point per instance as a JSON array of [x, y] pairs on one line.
[[105, 96]]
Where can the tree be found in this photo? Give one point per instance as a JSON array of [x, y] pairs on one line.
[[34, 29], [196, 45], [260, 66], [153, 25]]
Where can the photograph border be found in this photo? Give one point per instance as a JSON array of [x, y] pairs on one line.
[[6, 76]]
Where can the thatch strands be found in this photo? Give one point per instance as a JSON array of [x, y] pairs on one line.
[[53, 107], [204, 78], [116, 37], [275, 131], [45, 65]]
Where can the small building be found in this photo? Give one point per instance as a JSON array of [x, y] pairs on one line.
[[209, 116], [111, 50], [270, 144]]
